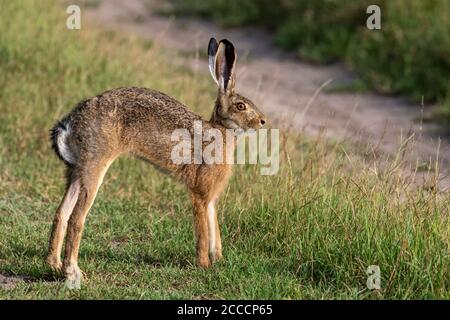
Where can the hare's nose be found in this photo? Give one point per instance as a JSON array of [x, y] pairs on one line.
[[263, 122]]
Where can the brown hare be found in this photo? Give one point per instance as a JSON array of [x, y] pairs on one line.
[[141, 121]]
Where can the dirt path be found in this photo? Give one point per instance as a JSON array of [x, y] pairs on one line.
[[285, 87]]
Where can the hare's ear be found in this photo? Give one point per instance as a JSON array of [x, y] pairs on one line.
[[212, 51], [224, 66]]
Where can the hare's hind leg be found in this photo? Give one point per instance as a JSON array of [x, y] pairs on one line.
[[90, 180], [60, 224]]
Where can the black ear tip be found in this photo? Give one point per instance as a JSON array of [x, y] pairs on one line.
[[212, 46], [227, 43]]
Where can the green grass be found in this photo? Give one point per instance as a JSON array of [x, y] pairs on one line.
[[310, 231], [409, 55]]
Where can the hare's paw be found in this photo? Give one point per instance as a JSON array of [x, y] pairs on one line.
[[217, 257], [203, 262], [74, 276], [54, 263]]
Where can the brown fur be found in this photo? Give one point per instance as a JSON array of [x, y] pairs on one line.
[[140, 121]]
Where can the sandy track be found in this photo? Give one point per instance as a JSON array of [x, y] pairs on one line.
[[285, 87]]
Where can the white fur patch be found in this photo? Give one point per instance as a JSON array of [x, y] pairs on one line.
[[212, 228], [63, 147], [73, 277], [70, 200], [230, 124]]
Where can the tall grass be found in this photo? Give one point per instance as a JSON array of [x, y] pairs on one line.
[[310, 231], [409, 55]]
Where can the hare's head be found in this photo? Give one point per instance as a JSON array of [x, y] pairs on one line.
[[232, 110]]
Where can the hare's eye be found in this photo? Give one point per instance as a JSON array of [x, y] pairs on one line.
[[240, 106]]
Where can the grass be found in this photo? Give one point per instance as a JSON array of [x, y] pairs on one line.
[[410, 54], [309, 232]]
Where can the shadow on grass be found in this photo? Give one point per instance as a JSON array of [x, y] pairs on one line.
[[27, 264], [175, 258], [9, 280], [144, 259]]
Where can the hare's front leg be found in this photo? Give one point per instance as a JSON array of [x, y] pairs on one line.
[[215, 243], [201, 229]]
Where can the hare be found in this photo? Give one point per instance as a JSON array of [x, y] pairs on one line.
[[140, 121]]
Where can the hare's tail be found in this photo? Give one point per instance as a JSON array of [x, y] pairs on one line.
[[58, 135]]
